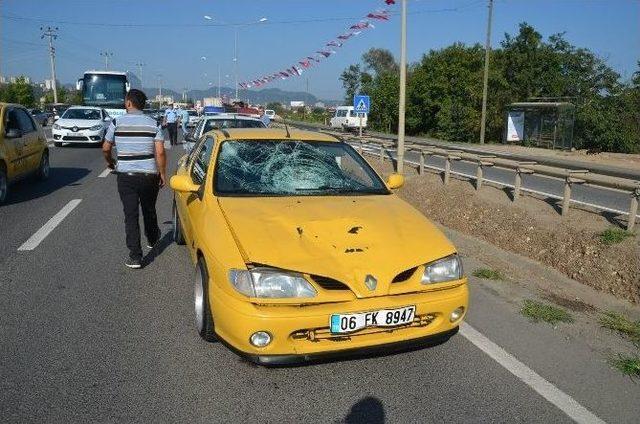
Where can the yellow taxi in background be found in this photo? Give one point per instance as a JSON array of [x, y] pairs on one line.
[[23, 147], [302, 251]]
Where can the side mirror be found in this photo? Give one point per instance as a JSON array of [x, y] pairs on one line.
[[395, 181], [183, 184], [79, 84], [13, 133]]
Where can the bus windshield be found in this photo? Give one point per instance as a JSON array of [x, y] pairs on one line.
[[104, 90]]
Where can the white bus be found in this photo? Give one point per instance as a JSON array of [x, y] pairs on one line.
[[105, 89]]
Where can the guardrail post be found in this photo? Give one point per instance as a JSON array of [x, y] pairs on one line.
[[421, 169], [479, 173], [381, 153], [517, 185], [633, 209], [361, 146], [447, 170], [566, 197]]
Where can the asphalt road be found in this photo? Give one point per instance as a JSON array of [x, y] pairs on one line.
[[85, 339]]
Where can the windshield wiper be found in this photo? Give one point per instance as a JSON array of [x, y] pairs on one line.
[[324, 187]]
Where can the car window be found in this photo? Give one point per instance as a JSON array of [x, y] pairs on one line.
[[341, 113], [11, 120], [25, 121], [201, 161]]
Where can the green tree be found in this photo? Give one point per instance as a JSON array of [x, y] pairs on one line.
[[20, 92], [275, 106], [350, 78]]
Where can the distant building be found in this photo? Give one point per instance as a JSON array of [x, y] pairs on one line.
[[15, 79], [212, 101], [48, 84], [320, 105]]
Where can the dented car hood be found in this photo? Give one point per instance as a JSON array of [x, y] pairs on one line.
[[344, 238]]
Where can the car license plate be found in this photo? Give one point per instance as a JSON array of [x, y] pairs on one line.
[[347, 323]]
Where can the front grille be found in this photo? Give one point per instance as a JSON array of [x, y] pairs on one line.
[[74, 138], [329, 283], [79, 128], [404, 275]]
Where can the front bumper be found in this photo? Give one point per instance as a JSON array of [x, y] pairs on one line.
[[301, 333], [82, 136]]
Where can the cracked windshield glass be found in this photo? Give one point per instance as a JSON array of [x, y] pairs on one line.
[[293, 168]]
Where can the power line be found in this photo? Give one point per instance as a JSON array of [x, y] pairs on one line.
[[51, 34]]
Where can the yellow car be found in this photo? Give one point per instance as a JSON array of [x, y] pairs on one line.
[[23, 147], [303, 252]]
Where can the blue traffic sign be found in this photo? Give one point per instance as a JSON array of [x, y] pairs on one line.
[[361, 103]]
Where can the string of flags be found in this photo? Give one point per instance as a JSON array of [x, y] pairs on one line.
[[326, 51]]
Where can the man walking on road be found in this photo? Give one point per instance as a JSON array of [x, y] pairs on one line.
[[171, 122], [140, 169]]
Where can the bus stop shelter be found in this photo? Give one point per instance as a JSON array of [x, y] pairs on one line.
[[540, 124]]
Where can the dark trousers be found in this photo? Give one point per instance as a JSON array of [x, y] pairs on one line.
[[172, 128], [139, 192]]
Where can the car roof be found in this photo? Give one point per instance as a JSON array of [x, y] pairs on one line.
[[84, 107], [267, 134], [230, 116]]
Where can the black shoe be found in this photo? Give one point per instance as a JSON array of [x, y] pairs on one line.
[[133, 263]]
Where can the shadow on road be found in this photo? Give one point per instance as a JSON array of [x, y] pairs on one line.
[[367, 410], [160, 247], [30, 188]]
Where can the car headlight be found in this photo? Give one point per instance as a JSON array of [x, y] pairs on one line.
[[271, 283], [57, 127], [445, 269], [96, 127]]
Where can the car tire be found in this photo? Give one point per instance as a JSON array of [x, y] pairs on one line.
[[57, 143], [204, 316], [44, 167], [4, 185], [178, 235]]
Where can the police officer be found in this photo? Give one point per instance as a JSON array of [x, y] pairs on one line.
[[171, 122], [140, 169]]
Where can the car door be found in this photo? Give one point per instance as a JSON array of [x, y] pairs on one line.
[[191, 205], [32, 140], [14, 147]]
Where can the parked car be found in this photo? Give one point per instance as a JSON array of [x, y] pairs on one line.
[[302, 251], [270, 113], [23, 148], [40, 116], [194, 118], [221, 121], [347, 119], [81, 124]]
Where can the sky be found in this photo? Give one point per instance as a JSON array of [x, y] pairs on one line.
[[171, 37]]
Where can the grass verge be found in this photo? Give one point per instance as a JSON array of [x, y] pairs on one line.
[[538, 311], [622, 325], [628, 365], [488, 274], [614, 235]]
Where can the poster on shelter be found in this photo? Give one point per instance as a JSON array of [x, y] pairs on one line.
[[515, 126]]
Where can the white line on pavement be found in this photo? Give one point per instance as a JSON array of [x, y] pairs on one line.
[[551, 393], [51, 224], [105, 173]]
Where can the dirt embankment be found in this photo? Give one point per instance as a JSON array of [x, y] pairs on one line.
[[532, 228]]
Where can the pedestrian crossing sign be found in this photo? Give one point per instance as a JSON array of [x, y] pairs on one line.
[[361, 103]]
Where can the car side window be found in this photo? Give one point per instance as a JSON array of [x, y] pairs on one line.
[[201, 160], [11, 120], [25, 121]]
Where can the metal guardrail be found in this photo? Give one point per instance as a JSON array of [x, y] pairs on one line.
[[571, 177]]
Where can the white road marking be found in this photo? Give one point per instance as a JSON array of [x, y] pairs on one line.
[[105, 173], [551, 393], [51, 224]]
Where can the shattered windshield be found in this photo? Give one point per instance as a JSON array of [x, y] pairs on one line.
[[293, 168]]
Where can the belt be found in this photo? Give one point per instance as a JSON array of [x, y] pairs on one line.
[[136, 157], [137, 174]]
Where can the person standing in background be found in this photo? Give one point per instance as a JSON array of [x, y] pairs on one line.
[[184, 120], [171, 122], [141, 171]]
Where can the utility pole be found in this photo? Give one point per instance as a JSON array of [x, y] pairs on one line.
[[51, 34], [487, 50], [160, 90], [140, 65], [106, 56], [235, 57], [218, 80], [403, 86]]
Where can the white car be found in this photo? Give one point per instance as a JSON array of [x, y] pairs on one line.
[[194, 118], [347, 119], [270, 113], [221, 121], [81, 124]]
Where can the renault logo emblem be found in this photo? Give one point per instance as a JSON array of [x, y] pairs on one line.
[[371, 282], [74, 129]]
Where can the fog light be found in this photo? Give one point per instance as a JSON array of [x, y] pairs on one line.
[[456, 314], [260, 339]]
